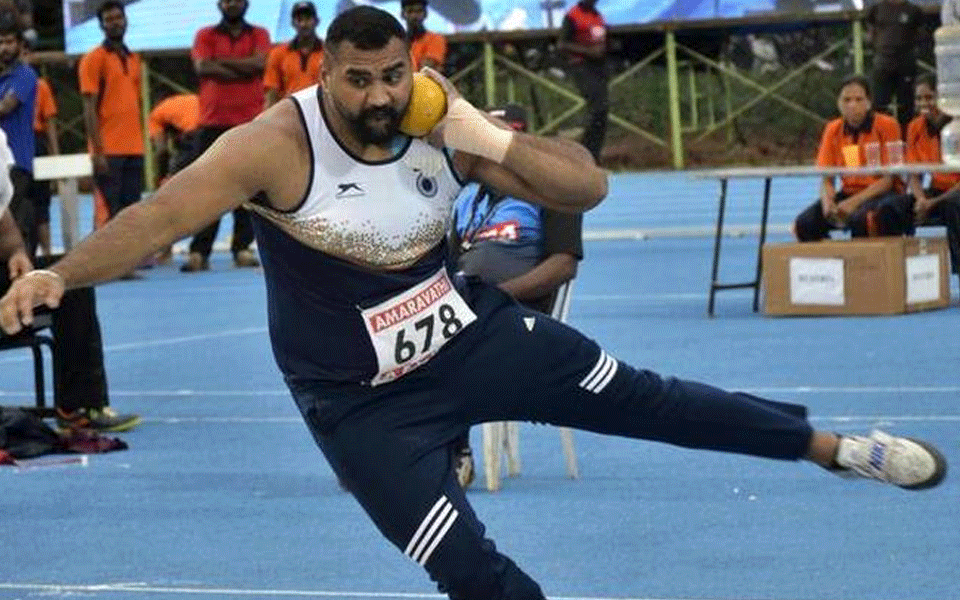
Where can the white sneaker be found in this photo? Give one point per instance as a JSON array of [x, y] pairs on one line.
[[908, 463]]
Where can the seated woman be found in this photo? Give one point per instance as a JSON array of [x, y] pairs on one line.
[[941, 199], [844, 144]]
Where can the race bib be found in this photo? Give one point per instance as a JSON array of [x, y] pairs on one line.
[[408, 329]]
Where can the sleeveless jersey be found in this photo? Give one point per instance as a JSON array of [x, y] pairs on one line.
[[363, 232]]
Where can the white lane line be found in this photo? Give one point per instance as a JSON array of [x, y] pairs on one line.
[[176, 393], [160, 342], [800, 389], [140, 588], [263, 420], [879, 389], [592, 235], [679, 296], [184, 339], [831, 419], [828, 418]]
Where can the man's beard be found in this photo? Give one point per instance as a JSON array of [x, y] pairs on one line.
[[369, 135], [8, 59], [235, 19]]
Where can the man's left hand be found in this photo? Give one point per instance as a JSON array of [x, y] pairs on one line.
[[26, 293]]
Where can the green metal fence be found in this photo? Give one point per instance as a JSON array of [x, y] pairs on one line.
[[683, 94]]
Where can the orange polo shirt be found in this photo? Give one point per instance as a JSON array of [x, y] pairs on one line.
[[289, 70], [877, 127], [923, 146], [180, 112], [113, 75], [429, 45], [46, 107]]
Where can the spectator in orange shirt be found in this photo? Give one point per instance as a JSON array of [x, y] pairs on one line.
[[843, 145], [427, 49], [294, 66], [110, 85], [47, 143], [173, 124]]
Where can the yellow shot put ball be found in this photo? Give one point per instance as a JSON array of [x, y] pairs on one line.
[[427, 106]]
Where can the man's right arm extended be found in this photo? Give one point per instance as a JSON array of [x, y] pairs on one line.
[[235, 168]]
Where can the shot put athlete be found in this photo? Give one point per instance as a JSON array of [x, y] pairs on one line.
[[388, 355]]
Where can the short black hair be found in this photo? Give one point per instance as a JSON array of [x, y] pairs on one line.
[[110, 5], [9, 21], [857, 80], [406, 3], [928, 79], [365, 27], [10, 25]]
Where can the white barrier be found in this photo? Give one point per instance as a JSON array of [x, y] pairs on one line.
[[66, 170]]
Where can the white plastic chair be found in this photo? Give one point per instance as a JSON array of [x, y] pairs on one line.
[[503, 437]]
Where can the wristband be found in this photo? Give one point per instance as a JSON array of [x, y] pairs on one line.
[[48, 273], [467, 130]]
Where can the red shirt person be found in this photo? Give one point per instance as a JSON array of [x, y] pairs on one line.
[[229, 59], [583, 40]]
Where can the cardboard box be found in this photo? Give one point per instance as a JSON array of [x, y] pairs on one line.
[[863, 276]]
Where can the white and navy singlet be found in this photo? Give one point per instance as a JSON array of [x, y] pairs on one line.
[[363, 232]]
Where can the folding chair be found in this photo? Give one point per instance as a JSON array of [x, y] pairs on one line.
[[35, 340], [504, 436]]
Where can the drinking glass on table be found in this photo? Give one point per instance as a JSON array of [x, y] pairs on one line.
[[871, 151], [895, 152]]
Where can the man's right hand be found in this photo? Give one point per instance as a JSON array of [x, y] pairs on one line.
[[32, 290], [99, 164]]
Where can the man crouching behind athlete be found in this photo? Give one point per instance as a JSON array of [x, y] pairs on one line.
[[395, 358]]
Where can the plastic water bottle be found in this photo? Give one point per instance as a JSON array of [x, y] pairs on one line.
[[947, 50], [950, 142]]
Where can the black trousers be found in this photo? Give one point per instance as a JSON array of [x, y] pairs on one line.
[[895, 80], [40, 190], [78, 346], [898, 212], [389, 444], [23, 210], [812, 226], [242, 227], [122, 184], [591, 80]]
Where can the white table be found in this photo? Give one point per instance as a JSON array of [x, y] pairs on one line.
[[768, 174], [66, 170]]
